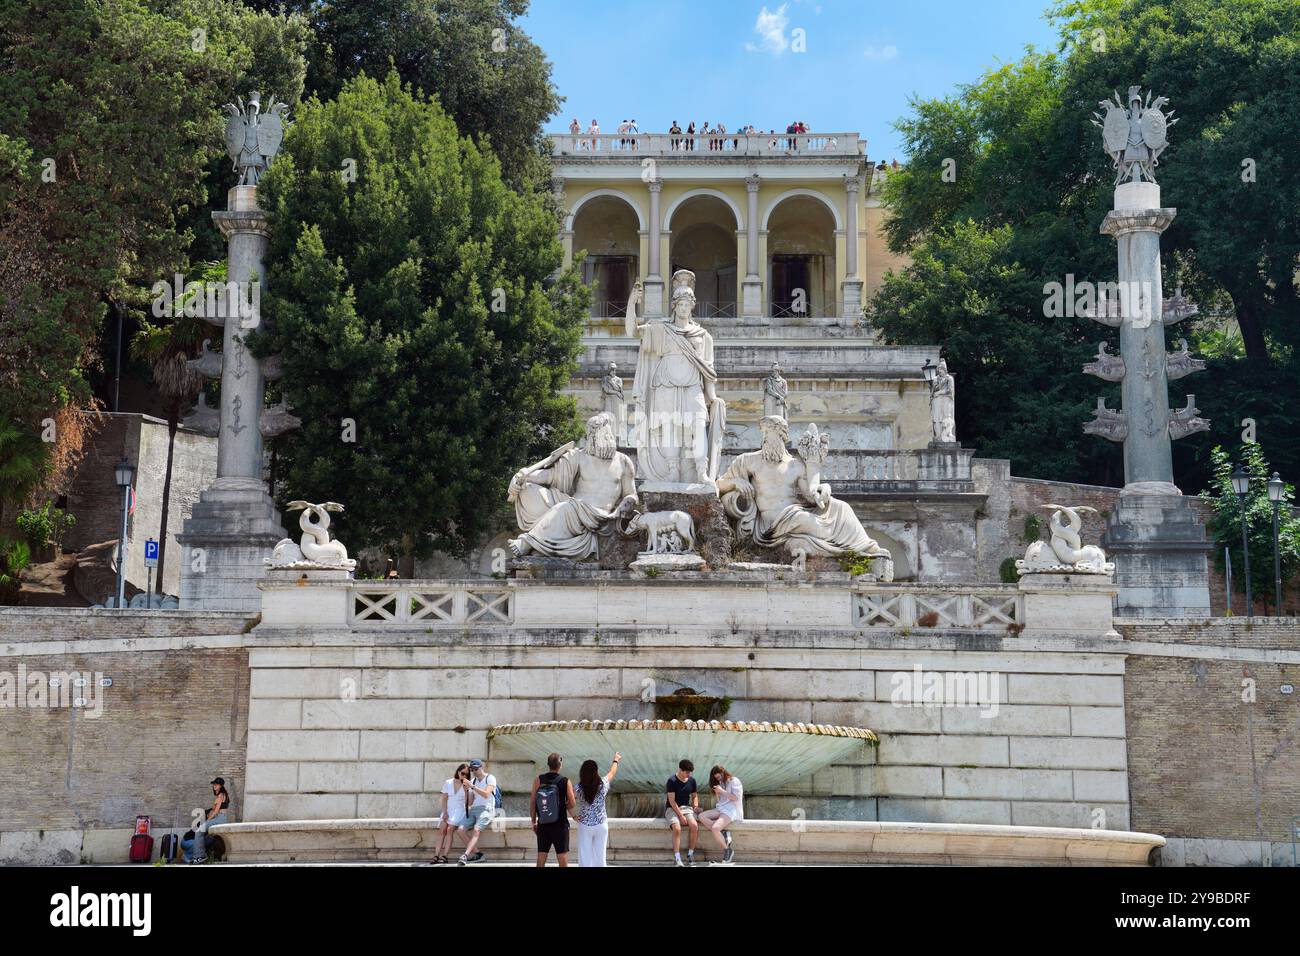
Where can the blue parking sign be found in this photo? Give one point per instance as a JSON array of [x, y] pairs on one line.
[[151, 553]]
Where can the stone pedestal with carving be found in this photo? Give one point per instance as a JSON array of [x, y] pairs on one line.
[[1160, 550]]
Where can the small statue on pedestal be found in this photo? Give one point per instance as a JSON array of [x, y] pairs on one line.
[[943, 406], [1065, 553], [316, 552], [775, 390]]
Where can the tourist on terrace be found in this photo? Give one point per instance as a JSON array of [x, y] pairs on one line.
[[593, 825], [455, 811], [593, 131], [675, 132], [195, 847], [483, 788], [690, 135], [727, 812], [681, 807], [575, 130], [622, 128], [550, 812]]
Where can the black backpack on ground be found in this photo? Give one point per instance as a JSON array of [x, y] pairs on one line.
[[551, 798]]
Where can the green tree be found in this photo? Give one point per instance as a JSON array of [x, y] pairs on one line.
[[110, 125], [424, 303], [1016, 370], [1026, 157], [487, 74], [1226, 524]]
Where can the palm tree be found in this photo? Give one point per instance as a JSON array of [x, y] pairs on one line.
[[167, 348]]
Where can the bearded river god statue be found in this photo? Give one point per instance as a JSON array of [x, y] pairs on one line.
[[564, 500], [681, 419], [781, 501]]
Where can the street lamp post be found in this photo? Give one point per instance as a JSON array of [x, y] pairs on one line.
[[124, 473], [1276, 489], [929, 370], [1241, 485]]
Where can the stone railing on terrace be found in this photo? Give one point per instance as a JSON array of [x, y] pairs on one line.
[[728, 601], [704, 145], [428, 603], [994, 607]]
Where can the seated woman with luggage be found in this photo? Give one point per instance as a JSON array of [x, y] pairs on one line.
[[195, 843]]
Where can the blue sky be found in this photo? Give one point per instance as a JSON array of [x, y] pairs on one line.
[[735, 60]]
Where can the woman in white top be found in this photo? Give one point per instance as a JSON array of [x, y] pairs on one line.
[[589, 811], [727, 812], [455, 802]]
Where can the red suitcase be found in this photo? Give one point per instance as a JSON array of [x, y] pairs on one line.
[[141, 848]]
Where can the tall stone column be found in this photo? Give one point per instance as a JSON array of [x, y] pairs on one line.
[[1154, 535], [234, 525], [1136, 222], [654, 281], [851, 291], [752, 286]]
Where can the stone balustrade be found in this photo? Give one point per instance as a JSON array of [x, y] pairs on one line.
[[771, 597], [636, 145]]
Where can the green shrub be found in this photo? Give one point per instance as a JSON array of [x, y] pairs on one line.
[[44, 526], [1007, 571]]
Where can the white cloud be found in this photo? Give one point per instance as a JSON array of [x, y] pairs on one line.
[[880, 53], [770, 27]]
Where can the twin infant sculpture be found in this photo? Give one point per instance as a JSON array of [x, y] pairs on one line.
[[564, 502]]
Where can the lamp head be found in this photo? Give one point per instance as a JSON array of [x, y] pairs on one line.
[[1276, 488], [929, 370], [1241, 481], [124, 473]]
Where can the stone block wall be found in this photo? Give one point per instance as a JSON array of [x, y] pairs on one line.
[[173, 718], [96, 501], [1205, 761], [372, 731]]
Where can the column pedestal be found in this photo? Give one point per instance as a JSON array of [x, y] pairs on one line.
[[1161, 553]]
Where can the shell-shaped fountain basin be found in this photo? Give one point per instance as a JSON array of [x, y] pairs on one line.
[[765, 756]]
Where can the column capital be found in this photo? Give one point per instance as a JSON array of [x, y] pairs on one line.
[[752, 182], [1120, 223], [655, 185], [852, 184]]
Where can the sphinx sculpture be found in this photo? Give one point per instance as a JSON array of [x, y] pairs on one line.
[[317, 551], [780, 501], [563, 501], [1065, 553]]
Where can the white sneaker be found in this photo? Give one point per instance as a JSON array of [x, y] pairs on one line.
[[677, 861]]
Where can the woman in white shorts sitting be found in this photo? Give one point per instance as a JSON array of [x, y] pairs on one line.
[[727, 812], [455, 802]]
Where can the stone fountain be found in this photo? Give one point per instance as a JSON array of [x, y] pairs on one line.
[[766, 756]]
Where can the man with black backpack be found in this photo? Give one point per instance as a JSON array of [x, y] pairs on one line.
[[551, 802]]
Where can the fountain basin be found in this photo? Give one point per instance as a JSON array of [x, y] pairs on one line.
[[765, 756]]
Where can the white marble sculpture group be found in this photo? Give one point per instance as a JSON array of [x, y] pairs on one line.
[[564, 502], [1065, 553]]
